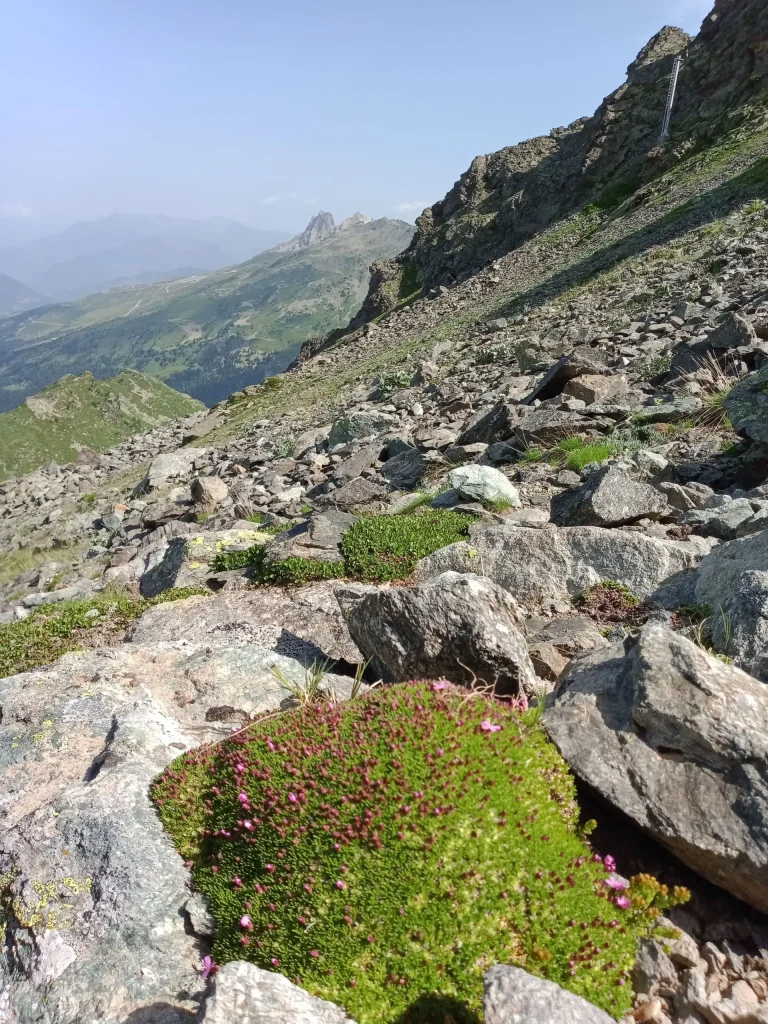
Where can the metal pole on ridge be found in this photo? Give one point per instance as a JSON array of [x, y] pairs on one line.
[[671, 96]]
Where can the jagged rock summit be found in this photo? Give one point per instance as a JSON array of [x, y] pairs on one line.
[[320, 227]]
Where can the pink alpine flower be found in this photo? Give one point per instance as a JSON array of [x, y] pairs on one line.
[[610, 863], [248, 826], [624, 902], [245, 921], [292, 798], [616, 882], [340, 884], [243, 798], [440, 684], [208, 966], [488, 726]]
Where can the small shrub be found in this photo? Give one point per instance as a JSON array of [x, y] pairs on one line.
[[392, 382], [89, 499], [610, 601], [581, 457], [54, 630], [655, 367], [285, 447], [391, 848], [387, 547]]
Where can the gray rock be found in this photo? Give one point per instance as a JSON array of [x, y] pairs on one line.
[[723, 522], [304, 623], [733, 581], [360, 494], [169, 466], [546, 569], [208, 492], [558, 375], [99, 929], [245, 994], [352, 467], [680, 497], [359, 425], [458, 626], [670, 412], [653, 973], [546, 426], [678, 741], [608, 497], [490, 426], [186, 561], [406, 470], [513, 996], [733, 332], [318, 539], [747, 405], [484, 484]]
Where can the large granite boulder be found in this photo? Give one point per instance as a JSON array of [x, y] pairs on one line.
[[461, 627], [100, 927], [678, 741], [484, 484], [608, 497], [545, 569]]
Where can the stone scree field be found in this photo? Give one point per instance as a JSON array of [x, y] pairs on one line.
[[426, 682]]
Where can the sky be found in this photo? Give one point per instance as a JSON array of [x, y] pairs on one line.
[[267, 112]]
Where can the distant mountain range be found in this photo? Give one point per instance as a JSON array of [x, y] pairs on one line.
[[209, 334], [123, 249], [15, 296]]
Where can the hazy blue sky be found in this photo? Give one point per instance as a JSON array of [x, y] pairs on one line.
[[267, 112]]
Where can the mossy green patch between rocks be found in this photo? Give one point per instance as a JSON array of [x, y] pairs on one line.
[[396, 846], [55, 629]]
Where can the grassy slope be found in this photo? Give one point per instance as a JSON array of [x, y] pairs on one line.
[[206, 335], [588, 254], [96, 413]]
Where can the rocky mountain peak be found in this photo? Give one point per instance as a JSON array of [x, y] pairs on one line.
[[320, 227], [356, 220]]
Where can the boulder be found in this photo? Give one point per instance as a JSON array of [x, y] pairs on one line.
[[462, 627], [359, 494], [208, 492], [359, 425], [186, 561], [245, 994], [405, 470], [513, 996], [557, 377], [484, 484], [592, 387], [747, 405], [318, 539], [491, 425], [670, 412], [100, 929], [608, 497], [723, 522], [545, 569], [678, 741], [170, 466], [734, 332], [546, 426], [733, 581]]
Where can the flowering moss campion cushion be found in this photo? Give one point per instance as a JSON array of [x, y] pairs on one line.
[[395, 847]]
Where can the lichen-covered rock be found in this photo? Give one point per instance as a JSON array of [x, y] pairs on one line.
[[484, 484], [747, 405], [360, 424]]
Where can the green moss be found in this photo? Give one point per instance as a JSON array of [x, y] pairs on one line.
[[410, 282], [581, 457], [385, 852], [387, 547], [54, 630]]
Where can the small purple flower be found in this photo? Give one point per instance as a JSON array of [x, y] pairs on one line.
[[488, 726], [243, 798], [624, 902], [208, 966], [248, 825], [610, 863], [292, 798], [341, 885], [245, 921], [441, 684], [239, 767]]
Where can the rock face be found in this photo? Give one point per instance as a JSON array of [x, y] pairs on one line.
[[608, 497], [747, 405], [513, 995], [461, 627], [244, 994], [361, 424], [677, 740], [548, 568], [733, 581], [167, 466], [99, 929]]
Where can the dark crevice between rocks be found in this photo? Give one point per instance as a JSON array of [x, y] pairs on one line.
[[99, 761], [721, 915]]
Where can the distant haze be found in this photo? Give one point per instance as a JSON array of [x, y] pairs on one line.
[[265, 114]]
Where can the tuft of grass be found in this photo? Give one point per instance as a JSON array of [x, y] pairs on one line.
[[54, 630], [389, 849], [387, 547], [17, 562], [581, 457], [286, 446], [655, 367]]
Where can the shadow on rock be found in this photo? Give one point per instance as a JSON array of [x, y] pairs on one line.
[[160, 1013], [437, 1009]]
